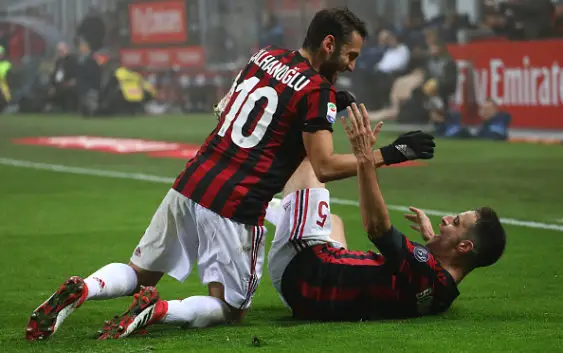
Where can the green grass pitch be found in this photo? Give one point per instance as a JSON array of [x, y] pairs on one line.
[[53, 225]]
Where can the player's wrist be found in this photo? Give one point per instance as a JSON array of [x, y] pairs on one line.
[[378, 157], [365, 157], [390, 155]]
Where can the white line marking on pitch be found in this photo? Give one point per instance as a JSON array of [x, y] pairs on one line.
[[167, 180]]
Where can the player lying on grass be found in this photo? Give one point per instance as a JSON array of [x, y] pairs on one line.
[[320, 279]]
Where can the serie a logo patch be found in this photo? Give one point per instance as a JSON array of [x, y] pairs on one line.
[[331, 112]]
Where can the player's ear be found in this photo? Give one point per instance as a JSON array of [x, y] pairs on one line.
[[329, 44], [465, 246]]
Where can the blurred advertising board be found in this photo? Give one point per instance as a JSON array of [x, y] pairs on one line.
[[524, 78]]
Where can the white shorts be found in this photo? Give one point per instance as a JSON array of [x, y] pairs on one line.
[[182, 233], [304, 221]]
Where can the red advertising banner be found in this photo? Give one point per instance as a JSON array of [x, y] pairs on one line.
[[524, 78], [183, 57], [162, 22]]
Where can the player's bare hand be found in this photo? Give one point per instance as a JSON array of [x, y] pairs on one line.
[[359, 132], [420, 223], [376, 129]]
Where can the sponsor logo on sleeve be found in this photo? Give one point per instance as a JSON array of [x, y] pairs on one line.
[[421, 254]]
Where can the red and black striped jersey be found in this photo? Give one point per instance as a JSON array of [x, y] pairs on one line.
[[257, 144], [323, 282], [405, 279], [417, 284]]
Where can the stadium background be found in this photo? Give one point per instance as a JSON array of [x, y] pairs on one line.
[[194, 69], [76, 193]]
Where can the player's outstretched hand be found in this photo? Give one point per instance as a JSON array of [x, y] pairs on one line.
[[365, 116], [409, 146], [420, 223], [359, 132]]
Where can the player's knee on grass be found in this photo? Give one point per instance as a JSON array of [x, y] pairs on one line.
[[145, 277], [217, 290], [303, 178], [338, 233]]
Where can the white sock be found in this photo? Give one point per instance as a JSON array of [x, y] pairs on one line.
[[111, 281], [196, 311], [273, 212]]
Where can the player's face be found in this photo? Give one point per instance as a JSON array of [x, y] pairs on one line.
[[451, 238], [343, 60]]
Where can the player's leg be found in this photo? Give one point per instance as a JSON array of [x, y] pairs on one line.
[[113, 280], [117, 280], [230, 262], [273, 214], [148, 309], [217, 265], [338, 233], [305, 178], [233, 314], [231, 265]]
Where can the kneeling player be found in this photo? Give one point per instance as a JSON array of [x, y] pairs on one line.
[[320, 279]]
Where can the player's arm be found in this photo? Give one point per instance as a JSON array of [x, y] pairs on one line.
[[374, 212], [328, 165], [394, 246], [375, 216], [318, 110]]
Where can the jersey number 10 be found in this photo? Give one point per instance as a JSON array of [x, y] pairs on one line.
[[246, 100]]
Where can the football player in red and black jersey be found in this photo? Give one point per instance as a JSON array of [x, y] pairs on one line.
[[320, 279], [279, 109]]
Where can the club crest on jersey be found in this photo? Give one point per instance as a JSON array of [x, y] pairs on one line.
[[421, 254], [331, 112]]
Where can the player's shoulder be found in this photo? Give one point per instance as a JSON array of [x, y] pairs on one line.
[[303, 66], [420, 252], [289, 66], [317, 81], [318, 84]]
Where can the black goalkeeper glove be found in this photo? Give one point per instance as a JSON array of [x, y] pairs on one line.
[[343, 100], [409, 146]]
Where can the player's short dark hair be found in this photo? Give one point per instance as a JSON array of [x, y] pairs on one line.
[[339, 22], [489, 238]]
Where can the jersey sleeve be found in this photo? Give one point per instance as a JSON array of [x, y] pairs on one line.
[[398, 249], [317, 109]]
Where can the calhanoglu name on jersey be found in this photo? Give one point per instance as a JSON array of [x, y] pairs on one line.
[[281, 72]]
